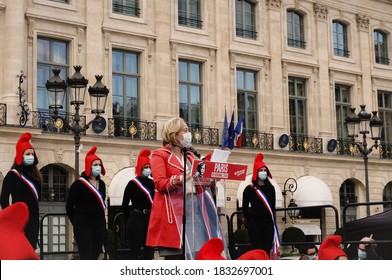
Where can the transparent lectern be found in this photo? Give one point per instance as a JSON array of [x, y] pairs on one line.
[[201, 215]]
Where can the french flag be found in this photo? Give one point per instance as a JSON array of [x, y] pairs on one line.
[[238, 131]]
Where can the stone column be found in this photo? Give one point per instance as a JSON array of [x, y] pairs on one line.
[[365, 61], [324, 92], [14, 54], [277, 82]]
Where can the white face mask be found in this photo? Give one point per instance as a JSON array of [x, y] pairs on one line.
[[28, 160], [95, 170], [186, 142], [262, 175], [146, 172]]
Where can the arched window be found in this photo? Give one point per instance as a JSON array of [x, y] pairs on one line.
[[340, 39], [387, 196], [54, 187], [347, 195], [381, 47], [245, 16], [295, 29]]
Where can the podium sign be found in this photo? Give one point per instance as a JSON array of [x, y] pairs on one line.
[[219, 170]]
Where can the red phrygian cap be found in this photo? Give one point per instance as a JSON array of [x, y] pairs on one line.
[[22, 145], [144, 158], [90, 157], [259, 163]]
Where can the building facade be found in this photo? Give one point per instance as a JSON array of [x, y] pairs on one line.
[[291, 69]]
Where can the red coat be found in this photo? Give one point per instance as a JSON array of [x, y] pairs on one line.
[[165, 226]]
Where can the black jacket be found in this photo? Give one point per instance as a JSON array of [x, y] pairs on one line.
[[252, 205], [83, 203]]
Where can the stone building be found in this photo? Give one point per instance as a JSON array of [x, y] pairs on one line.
[[291, 68]]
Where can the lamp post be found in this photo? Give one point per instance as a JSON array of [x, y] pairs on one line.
[[291, 185], [360, 124], [77, 85]]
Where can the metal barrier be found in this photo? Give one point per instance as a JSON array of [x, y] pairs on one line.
[[120, 246], [236, 248], [42, 253], [346, 240]]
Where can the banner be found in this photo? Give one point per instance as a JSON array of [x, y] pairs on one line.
[[219, 170]]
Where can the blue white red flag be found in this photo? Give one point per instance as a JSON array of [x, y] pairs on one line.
[[231, 133], [225, 133], [238, 131]]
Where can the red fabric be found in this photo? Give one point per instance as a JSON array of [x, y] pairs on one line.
[[22, 145], [208, 157], [258, 163], [256, 254], [143, 158], [90, 157], [330, 248], [166, 214], [211, 250], [13, 242]]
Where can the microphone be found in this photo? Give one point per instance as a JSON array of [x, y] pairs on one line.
[[195, 152]]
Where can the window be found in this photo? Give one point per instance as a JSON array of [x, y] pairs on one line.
[[381, 47], [347, 195], [245, 19], [190, 89], [387, 196], [343, 104], [340, 41], [125, 84], [53, 198], [189, 13], [126, 7], [54, 186], [297, 104], [247, 98], [51, 54], [295, 30], [385, 113]]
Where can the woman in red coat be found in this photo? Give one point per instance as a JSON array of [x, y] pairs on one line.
[[167, 165]]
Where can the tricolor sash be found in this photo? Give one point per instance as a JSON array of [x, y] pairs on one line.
[[143, 188], [276, 242], [96, 192], [29, 183]]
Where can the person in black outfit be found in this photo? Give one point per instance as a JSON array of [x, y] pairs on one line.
[[86, 208], [258, 217], [23, 184], [140, 192]]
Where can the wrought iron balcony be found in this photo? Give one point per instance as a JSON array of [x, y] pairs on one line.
[[305, 144], [296, 43], [43, 119], [382, 59], [246, 33], [385, 150], [186, 21], [132, 128], [346, 147], [204, 135], [3, 114], [341, 52], [126, 10], [257, 140]]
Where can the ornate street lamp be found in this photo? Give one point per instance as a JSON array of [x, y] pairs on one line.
[[293, 213], [77, 85], [360, 124], [291, 185]]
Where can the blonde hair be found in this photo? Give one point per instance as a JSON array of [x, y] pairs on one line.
[[171, 129]]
